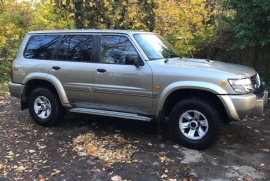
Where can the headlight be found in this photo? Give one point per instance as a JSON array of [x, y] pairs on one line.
[[241, 85]]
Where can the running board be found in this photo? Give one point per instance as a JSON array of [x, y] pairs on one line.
[[111, 114]]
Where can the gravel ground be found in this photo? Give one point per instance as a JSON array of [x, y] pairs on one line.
[[31, 152]]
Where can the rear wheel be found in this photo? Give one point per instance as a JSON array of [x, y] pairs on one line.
[[45, 107], [195, 123]]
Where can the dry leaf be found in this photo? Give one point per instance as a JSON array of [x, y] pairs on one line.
[[32, 151], [1, 166], [116, 178], [55, 171], [164, 176], [162, 158], [20, 169], [265, 150]]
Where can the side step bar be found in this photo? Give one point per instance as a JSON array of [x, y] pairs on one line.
[[111, 114]]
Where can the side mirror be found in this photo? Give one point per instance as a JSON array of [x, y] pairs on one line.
[[132, 59]]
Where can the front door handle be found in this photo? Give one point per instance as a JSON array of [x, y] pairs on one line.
[[101, 70], [55, 68]]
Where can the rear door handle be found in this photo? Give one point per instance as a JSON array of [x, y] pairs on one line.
[[55, 68], [101, 70]]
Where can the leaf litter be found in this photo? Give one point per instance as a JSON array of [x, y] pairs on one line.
[[111, 149]]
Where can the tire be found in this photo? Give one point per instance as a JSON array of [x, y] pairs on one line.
[[190, 132], [45, 107]]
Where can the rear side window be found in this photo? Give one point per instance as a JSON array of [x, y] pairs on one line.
[[76, 48], [41, 46]]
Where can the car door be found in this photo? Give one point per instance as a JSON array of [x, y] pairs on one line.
[[73, 68], [120, 85]]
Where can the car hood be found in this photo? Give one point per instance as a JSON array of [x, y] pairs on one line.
[[212, 65]]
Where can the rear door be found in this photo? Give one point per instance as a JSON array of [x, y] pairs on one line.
[[120, 85], [73, 67]]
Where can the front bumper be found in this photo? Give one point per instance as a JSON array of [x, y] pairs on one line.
[[240, 106], [258, 109]]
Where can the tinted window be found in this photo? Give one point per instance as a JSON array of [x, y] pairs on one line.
[[76, 48], [115, 48], [41, 46]]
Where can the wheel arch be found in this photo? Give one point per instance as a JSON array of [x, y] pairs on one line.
[[172, 96], [33, 81]]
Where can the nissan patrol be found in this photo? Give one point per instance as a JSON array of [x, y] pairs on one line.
[[132, 75]]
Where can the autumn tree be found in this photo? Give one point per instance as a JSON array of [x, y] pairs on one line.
[[15, 20], [185, 23]]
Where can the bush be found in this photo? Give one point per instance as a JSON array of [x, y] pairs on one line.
[[5, 66]]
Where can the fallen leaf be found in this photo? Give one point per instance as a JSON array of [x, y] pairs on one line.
[[255, 130], [42, 147], [162, 158], [247, 178], [235, 167], [164, 176], [20, 169], [265, 150], [166, 171], [31, 151], [1, 166], [116, 178], [55, 171]]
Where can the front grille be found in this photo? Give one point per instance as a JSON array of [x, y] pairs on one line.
[[257, 86], [255, 80]]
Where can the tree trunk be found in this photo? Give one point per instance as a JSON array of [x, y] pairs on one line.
[[79, 14]]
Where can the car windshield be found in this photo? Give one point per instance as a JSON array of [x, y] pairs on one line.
[[155, 46]]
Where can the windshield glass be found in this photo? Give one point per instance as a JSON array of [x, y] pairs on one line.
[[155, 46]]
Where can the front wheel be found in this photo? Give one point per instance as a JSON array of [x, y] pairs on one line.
[[195, 123], [45, 107]]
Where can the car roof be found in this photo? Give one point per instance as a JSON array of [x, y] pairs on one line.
[[90, 31]]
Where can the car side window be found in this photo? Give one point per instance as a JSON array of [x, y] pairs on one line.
[[41, 46], [115, 48], [76, 48]]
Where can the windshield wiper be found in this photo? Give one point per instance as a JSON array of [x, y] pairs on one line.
[[172, 56]]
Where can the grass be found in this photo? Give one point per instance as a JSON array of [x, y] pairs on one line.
[[4, 76]]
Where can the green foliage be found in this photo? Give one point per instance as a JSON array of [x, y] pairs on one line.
[[251, 22], [4, 75], [265, 75]]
